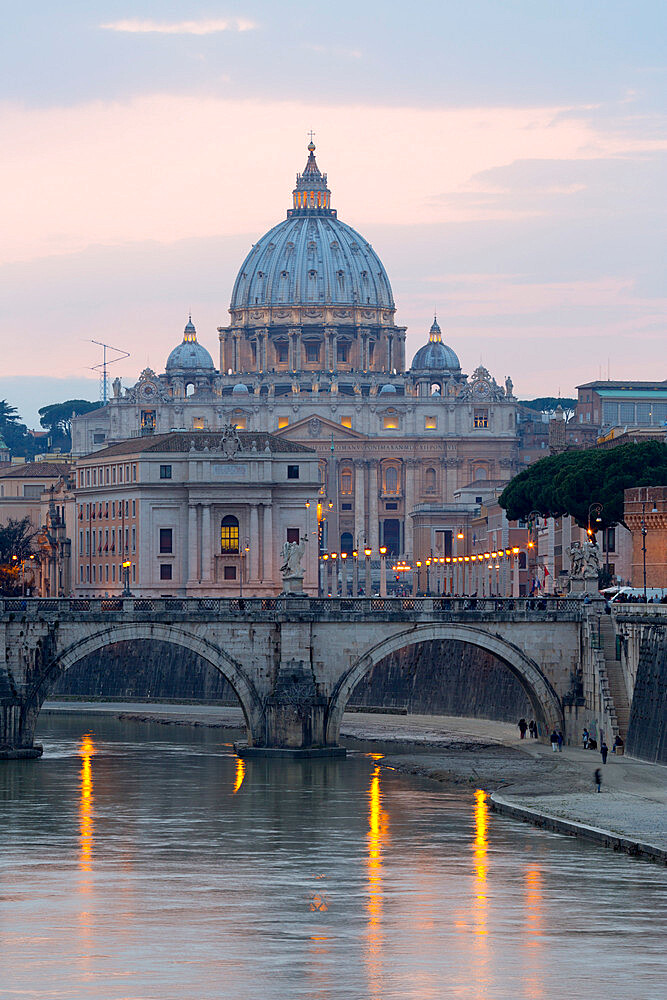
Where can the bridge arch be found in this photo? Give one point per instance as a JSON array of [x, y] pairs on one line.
[[175, 634], [542, 696]]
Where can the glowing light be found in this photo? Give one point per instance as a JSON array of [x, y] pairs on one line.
[[481, 866], [86, 832], [240, 775], [377, 832]]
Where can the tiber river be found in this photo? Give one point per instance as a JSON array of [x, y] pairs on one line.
[[144, 861]]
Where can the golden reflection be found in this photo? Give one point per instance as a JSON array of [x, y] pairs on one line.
[[481, 862], [533, 982], [240, 775], [86, 752], [377, 835]]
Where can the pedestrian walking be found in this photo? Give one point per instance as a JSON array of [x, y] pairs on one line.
[[554, 741], [604, 750], [523, 726], [586, 737], [597, 778], [560, 741], [531, 729]]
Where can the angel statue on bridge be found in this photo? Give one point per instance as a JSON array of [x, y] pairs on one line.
[[292, 554]]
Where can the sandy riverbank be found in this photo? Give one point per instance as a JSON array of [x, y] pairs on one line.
[[530, 782]]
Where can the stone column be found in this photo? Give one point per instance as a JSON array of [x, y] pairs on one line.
[[206, 555], [411, 467], [193, 562], [373, 532], [269, 544], [359, 505], [223, 353], [254, 543]]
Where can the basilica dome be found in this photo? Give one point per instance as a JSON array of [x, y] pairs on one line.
[[189, 356], [312, 259], [435, 356]]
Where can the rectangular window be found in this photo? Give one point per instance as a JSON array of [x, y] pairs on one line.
[[113, 572], [134, 508], [312, 353], [106, 573], [430, 423], [94, 477], [80, 574], [165, 571], [87, 477], [165, 472], [240, 423], [127, 540], [627, 414], [481, 418], [346, 421], [127, 508], [229, 572], [293, 535], [134, 473], [87, 574], [198, 423], [609, 413], [292, 471], [107, 475], [120, 473], [283, 422], [98, 438], [113, 508], [134, 572], [609, 540], [166, 540], [113, 473], [32, 492], [148, 420], [134, 539], [343, 353], [346, 506], [643, 414], [94, 573], [390, 423], [81, 542]]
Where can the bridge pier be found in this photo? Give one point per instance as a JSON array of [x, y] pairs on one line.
[[16, 738]]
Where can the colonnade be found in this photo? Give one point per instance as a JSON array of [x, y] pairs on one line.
[[256, 566]]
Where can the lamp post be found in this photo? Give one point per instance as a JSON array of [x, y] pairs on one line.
[[418, 576], [596, 510], [343, 574], [368, 553], [532, 545], [126, 578], [428, 577], [383, 571], [355, 573]]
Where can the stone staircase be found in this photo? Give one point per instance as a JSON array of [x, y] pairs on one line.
[[615, 678]]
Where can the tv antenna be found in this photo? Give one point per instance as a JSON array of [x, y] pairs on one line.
[[102, 368]]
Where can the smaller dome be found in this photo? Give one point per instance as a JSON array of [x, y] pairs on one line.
[[189, 355], [436, 356], [240, 389], [387, 388]]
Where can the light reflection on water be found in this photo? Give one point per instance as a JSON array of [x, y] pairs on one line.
[[198, 875]]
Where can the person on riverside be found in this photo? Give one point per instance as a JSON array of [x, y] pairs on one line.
[[523, 726], [597, 778], [553, 739], [604, 750]]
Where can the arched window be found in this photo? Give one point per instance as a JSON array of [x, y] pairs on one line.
[[480, 472], [229, 534], [436, 389], [391, 479], [429, 480], [346, 480], [189, 389], [346, 542]]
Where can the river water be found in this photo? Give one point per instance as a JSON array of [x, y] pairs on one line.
[[145, 862]]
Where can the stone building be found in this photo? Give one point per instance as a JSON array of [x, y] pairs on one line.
[[312, 353], [186, 514], [645, 513]]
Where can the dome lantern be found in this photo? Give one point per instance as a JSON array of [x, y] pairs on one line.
[[436, 356], [311, 194]]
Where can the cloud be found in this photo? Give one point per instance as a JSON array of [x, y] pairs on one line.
[[209, 26]]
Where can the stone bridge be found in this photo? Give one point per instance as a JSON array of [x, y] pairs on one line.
[[293, 662]]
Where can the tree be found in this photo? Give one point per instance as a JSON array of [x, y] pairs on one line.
[[57, 417], [549, 404], [16, 435], [571, 482], [17, 541]]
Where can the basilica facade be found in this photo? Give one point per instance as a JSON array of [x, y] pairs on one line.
[[312, 354]]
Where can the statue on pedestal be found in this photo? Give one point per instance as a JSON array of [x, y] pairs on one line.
[[584, 567], [291, 569]]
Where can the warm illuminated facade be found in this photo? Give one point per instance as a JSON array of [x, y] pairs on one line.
[[183, 514], [312, 353]]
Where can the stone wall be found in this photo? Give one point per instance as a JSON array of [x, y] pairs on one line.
[[140, 669], [445, 678], [646, 733]]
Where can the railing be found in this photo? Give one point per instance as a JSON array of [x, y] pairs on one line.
[[360, 607]]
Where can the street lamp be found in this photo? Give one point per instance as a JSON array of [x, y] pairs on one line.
[[383, 571], [596, 510], [126, 579], [419, 575], [367, 553]]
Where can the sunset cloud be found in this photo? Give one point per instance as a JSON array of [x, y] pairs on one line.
[[208, 26]]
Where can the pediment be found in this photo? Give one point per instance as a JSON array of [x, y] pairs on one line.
[[317, 428]]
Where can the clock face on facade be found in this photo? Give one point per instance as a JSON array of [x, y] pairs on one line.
[[481, 388], [148, 389]]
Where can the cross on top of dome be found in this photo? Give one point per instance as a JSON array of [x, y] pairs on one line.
[[311, 194]]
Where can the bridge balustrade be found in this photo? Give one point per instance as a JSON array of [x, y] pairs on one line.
[[309, 607]]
